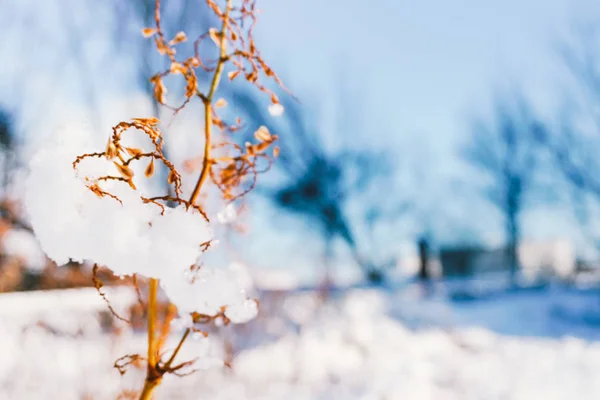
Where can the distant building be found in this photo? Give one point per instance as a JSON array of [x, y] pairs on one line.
[[555, 257], [467, 261]]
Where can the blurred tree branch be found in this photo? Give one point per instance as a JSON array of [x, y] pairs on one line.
[[504, 150], [573, 142], [339, 191]]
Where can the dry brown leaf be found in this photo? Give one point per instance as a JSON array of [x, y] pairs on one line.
[[177, 68], [133, 151], [259, 148], [233, 74], [220, 103], [124, 170], [215, 36], [171, 178], [252, 77], [111, 150], [149, 169], [159, 89], [179, 38], [148, 32], [193, 62], [249, 148], [263, 134], [192, 83], [152, 121], [161, 47]]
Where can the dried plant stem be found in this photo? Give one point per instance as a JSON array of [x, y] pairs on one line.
[[208, 111], [152, 309], [153, 377], [148, 390], [207, 144], [208, 122], [170, 361]]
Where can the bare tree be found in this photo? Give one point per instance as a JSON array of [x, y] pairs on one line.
[[345, 193], [7, 146], [573, 140], [504, 150], [78, 57], [424, 272], [9, 149]]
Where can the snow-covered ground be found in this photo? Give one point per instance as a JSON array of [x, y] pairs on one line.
[[364, 344], [552, 312]]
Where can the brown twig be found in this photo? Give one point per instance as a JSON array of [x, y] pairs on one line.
[[98, 285]]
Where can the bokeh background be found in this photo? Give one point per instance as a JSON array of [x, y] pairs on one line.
[[435, 207]]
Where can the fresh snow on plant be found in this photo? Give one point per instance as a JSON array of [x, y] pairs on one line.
[[126, 235], [207, 290]]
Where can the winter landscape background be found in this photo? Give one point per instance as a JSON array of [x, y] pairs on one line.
[[430, 230]]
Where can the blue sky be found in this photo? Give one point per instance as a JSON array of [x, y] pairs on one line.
[[423, 68], [426, 63], [427, 66]]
